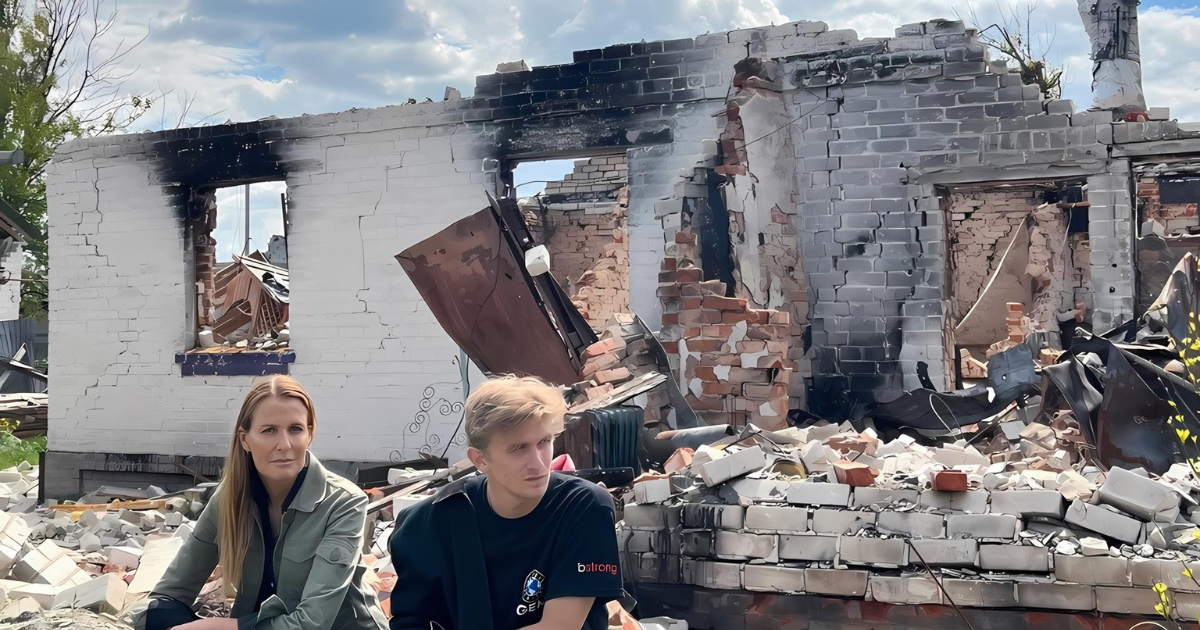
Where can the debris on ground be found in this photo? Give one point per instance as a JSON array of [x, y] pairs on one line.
[[95, 555], [831, 510], [250, 308]]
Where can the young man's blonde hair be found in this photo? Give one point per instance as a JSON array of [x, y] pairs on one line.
[[505, 403]]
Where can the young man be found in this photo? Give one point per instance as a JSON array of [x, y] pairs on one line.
[[516, 547]]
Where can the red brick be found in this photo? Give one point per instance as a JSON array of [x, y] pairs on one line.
[[616, 375], [669, 264], [602, 362], [691, 274], [731, 360], [751, 346], [717, 332], [686, 238], [670, 319], [704, 345], [598, 392], [714, 418], [665, 277], [691, 332], [783, 375], [691, 317], [706, 373], [778, 347], [671, 347], [756, 391], [738, 376], [950, 481], [604, 346], [678, 460], [717, 388], [730, 317], [767, 333], [706, 403], [667, 290], [771, 361], [854, 474], [781, 317], [724, 303], [692, 303]]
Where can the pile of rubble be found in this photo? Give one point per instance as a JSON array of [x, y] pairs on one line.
[[1017, 520], [249, 307], [95, 555]]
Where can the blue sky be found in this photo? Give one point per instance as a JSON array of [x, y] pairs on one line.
[[249, 59]]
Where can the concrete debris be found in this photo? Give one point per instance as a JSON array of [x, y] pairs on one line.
[[100, 557], [1011, 518]]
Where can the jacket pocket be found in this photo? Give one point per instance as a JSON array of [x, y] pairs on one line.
[[300, 550], [294, 568]]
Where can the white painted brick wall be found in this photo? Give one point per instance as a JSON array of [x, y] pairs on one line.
[[10, 292], [368, 349]]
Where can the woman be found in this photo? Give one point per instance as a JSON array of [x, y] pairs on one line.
[[287, 533]]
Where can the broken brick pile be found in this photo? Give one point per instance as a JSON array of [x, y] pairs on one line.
[[1020, 521], [1016, 327], [93, 555], [622, 353], [732, 360]]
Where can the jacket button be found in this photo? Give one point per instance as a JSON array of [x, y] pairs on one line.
[[336, 555]]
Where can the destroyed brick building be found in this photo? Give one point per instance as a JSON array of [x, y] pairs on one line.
[[845, 199]]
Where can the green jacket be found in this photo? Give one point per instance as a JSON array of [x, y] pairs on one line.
[[318, 562]]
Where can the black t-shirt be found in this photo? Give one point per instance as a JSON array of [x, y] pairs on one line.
[[565, 547]]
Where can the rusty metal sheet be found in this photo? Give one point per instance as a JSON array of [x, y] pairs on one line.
[[479, 291]]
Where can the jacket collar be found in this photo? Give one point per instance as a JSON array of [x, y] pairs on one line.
[[314, 487], [452, 489]]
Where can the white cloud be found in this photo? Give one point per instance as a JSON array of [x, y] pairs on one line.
[[1170, 46], [266, 218], [286, 57]]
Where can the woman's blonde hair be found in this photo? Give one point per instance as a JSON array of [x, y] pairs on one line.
[[505, 403], [235, 516]]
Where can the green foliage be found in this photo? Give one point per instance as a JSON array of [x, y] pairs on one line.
[[1022, 45], [53, 87], [14, 450]]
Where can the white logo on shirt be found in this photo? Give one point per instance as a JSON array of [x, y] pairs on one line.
[[531, 592]]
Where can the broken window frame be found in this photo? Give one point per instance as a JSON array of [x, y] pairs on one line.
[[1060, 187], [233, 361]]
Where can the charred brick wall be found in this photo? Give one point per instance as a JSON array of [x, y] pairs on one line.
[[875, 127]]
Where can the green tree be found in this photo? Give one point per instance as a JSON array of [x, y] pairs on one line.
[[1022, 45], [59, 79]]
